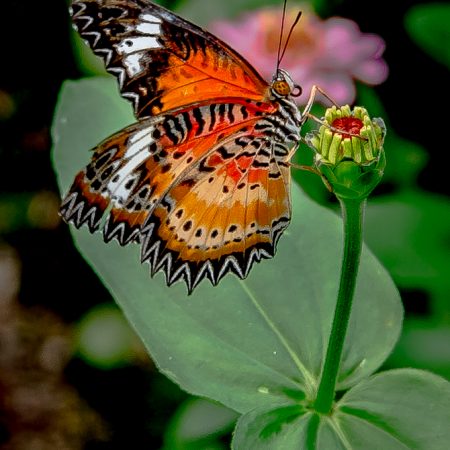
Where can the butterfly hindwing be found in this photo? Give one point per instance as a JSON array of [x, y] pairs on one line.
[[131, 172], [114, 181], [222, 215], [163, 62]]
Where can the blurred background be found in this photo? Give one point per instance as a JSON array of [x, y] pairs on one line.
[[72, 373]]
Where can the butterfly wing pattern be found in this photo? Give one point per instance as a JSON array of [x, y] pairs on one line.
[[202, 180]]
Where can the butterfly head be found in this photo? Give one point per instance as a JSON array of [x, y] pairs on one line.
[[283, 85]]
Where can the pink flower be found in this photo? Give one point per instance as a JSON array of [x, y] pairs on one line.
[[331, 53]]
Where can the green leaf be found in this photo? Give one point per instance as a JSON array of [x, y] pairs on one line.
[[428, 26], [198, 424], [285, 427], [414, 246], [249, 343], [396, 410], [423, 345], [405, 160], [104, 339], [406, 408], [414, 249]]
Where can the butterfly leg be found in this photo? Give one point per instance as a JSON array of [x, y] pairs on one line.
[[315, 90], [314, 171]]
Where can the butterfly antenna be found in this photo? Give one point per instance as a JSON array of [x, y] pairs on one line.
[[289, 37], [281, 35]]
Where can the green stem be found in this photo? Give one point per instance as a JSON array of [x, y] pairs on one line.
[[352, 214]]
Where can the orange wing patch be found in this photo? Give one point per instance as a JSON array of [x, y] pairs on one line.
[[206, 74]]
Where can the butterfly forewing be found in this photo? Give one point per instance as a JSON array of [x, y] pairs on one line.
[[161, 61], [202, 180]]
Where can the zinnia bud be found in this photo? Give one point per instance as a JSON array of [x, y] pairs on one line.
[[349, 151]]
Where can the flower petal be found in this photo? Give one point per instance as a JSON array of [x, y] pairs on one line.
[[338, 85], [372, 71]]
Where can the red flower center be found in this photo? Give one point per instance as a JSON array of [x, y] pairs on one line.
[[348, 125]]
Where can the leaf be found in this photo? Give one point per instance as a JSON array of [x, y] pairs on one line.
[[415, 246], [415, 251], [198, 424], [396, 410], [249, 343], [412, 406], [423, 344], [428, 26], [103, 338]]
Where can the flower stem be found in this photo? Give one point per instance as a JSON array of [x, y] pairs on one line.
[[352, 213]]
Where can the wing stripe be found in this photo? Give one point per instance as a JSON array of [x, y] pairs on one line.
[[200, 121]]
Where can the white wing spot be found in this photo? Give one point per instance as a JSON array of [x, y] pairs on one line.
[[132, 64], [150, 18], [137, 44], [134, 49], [148, 28]]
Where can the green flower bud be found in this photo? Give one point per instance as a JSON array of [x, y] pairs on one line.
[[349, 151]]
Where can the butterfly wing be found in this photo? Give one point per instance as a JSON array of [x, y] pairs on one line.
[[202, 180], [163, 62]]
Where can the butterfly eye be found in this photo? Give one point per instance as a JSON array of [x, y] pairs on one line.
[[281, 87], [297, 91]]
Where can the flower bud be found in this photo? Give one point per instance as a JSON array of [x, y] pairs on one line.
[[349, 151]]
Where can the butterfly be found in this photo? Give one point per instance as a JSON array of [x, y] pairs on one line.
[[202, 180]]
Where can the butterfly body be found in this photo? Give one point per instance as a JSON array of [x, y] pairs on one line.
[[201, 181]]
